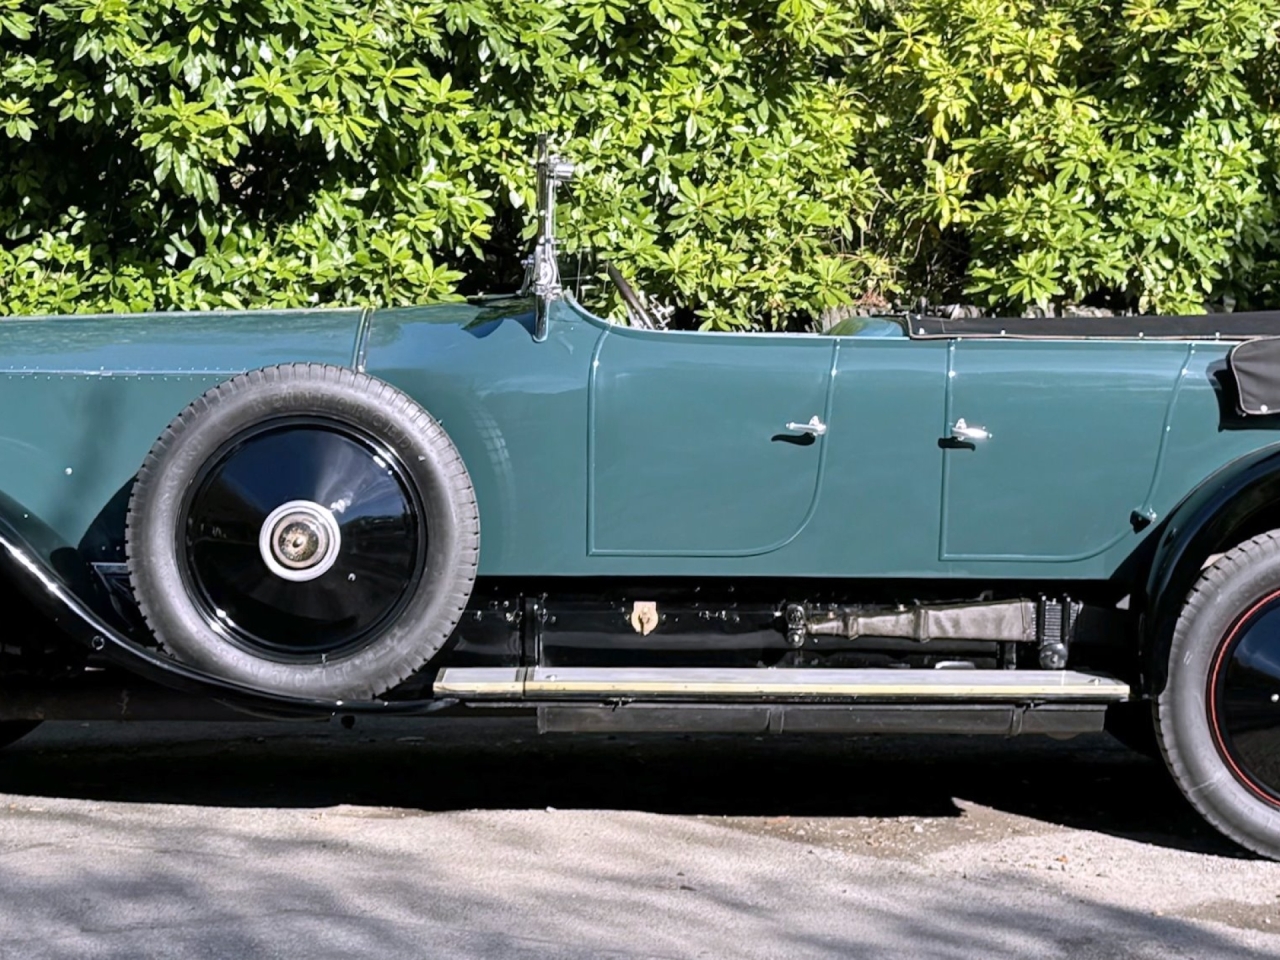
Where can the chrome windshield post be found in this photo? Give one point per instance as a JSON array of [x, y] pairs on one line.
[[542, 272]]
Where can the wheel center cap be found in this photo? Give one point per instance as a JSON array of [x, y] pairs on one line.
[[299, 540]]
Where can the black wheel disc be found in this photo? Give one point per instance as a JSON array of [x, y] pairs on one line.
[[377, 550], [1244, 699]]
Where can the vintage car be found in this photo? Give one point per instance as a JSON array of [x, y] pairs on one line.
[[908, 524]]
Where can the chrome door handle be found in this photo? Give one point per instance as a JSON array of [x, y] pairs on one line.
[[814, 426], [962, 431]]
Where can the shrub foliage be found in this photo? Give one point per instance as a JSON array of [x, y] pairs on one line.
[[755, 162]]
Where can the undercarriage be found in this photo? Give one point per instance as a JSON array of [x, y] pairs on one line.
[[660, 656]]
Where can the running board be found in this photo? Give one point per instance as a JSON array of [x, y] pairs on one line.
[[1000, 719], [819, 684]]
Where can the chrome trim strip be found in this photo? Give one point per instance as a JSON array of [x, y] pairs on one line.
[[757, 683]]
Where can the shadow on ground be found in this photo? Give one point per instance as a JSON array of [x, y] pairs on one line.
[[1090, 783], [488, 887]]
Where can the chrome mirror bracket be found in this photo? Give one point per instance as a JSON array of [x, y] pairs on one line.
[[542, 271]]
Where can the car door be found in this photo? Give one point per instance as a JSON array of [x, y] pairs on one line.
[[704, 444], [1050, 447]]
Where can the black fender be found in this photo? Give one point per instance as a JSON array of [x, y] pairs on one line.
[[65, 590], [1206, 521]]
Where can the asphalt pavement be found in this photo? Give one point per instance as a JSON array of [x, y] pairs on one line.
[[461, 839]]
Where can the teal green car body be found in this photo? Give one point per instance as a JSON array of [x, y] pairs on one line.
[[514, 507], [609, 451], [895, 526]]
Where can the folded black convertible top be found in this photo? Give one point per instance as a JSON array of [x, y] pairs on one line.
[[1213, 326]]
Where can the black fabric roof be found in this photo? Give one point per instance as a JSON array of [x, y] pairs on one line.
[[1213, 326]]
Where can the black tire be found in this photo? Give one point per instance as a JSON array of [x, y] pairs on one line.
[[398, 567], [1217, 724]]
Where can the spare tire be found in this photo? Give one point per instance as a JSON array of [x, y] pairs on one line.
[[304, 530]]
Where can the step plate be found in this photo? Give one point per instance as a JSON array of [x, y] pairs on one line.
[[752, 683]]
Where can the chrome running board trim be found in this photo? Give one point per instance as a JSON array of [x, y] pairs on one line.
[[755, 683]]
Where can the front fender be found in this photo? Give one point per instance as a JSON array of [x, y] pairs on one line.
[[1210, 519], [65, 590]]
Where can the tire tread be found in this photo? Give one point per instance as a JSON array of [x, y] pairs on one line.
[[452, 470], [1207, 591]]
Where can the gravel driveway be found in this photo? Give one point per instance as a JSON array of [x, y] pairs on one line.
[[452, 838]]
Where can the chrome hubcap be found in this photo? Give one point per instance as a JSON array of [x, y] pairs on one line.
[[299, 540]]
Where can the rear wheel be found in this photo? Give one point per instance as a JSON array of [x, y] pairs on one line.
[[305, 530], [1219, 713]]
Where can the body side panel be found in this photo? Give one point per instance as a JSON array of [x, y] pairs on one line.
[[82, 399], [877, 512], [1076, 431], [689, 448], [81, 403], [1205, 433], [520, 413], [517, 411]]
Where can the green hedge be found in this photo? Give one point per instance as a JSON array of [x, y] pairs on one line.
[[754, 162]]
